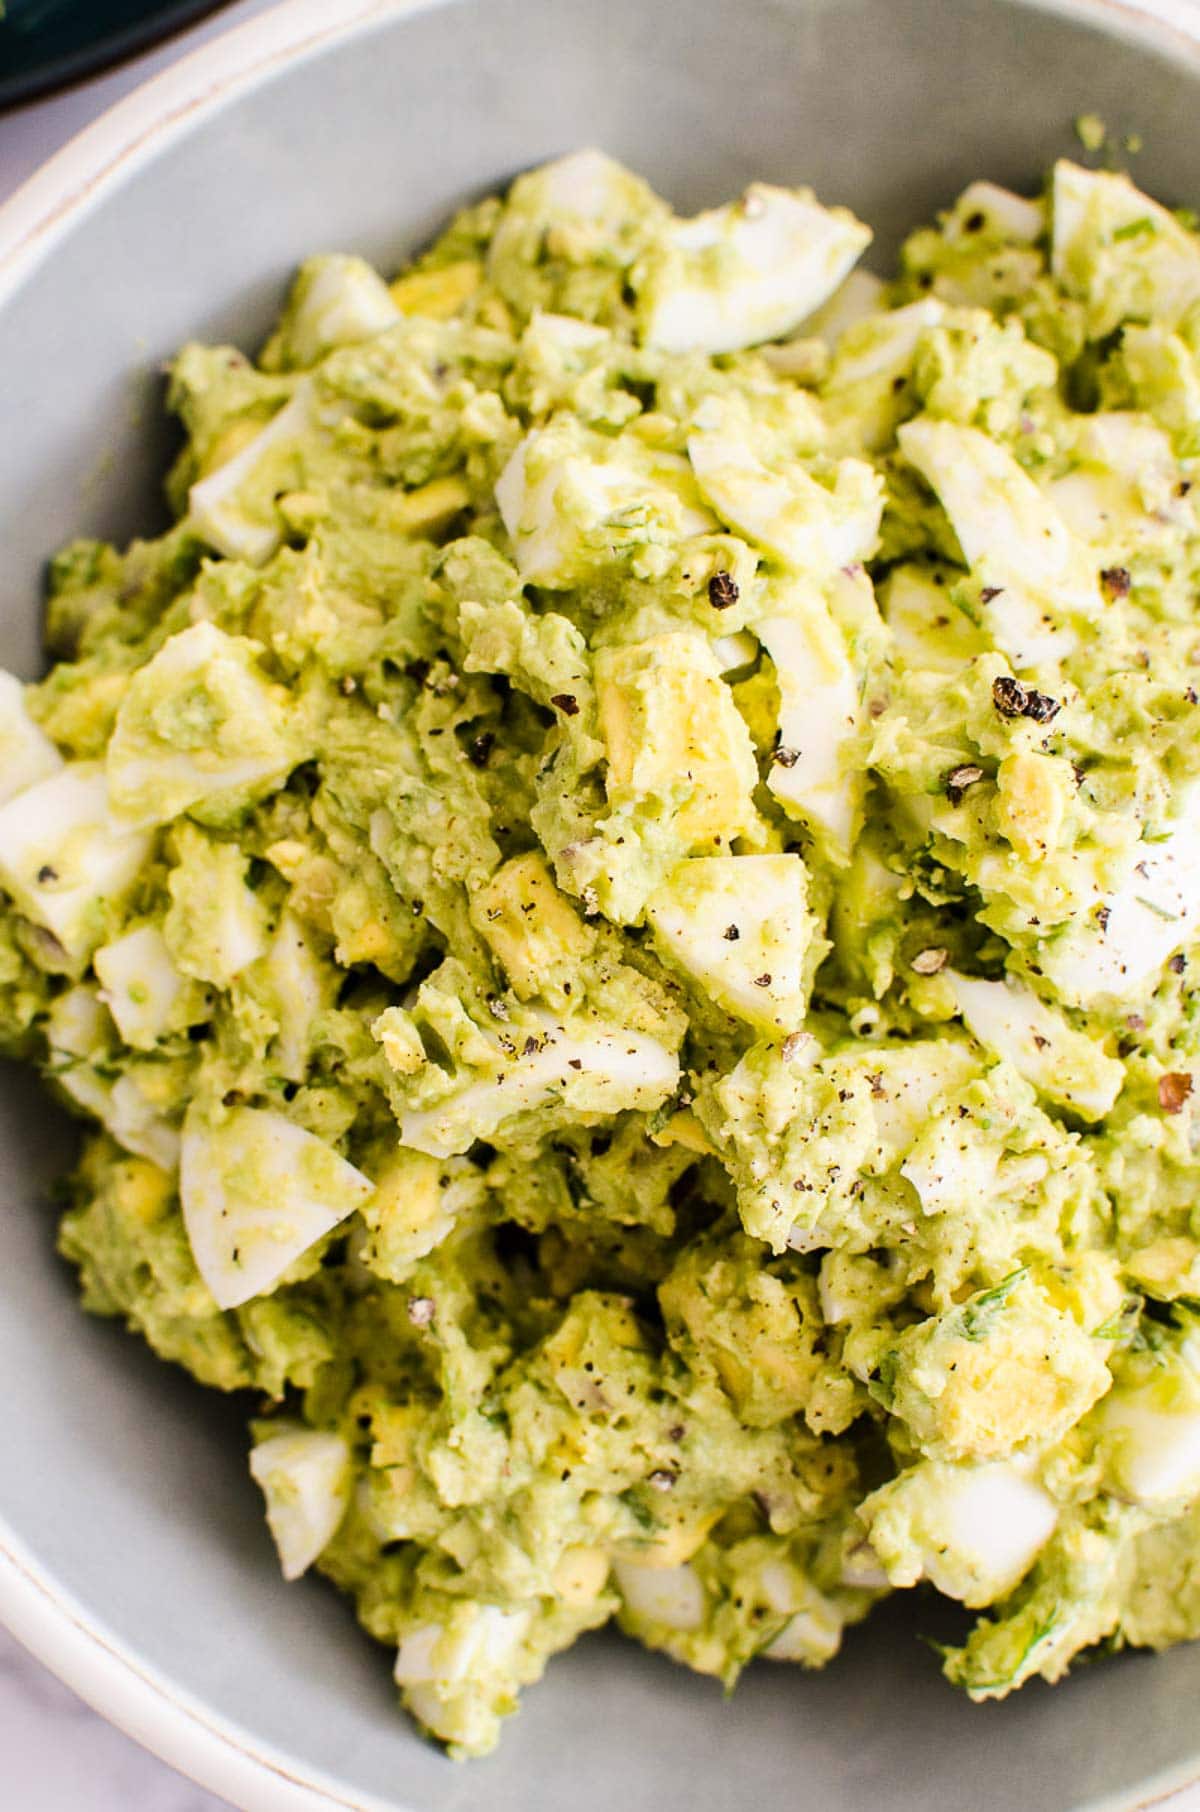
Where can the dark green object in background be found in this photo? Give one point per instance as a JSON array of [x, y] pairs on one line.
[[47, 42]]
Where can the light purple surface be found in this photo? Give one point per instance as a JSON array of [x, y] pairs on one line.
[[60, 1757]]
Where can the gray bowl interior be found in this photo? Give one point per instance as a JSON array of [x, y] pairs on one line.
[[128, 1483]]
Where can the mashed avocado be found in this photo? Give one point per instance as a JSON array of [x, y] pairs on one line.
[[617, 894]]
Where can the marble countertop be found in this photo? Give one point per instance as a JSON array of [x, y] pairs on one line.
[[58, 1755]]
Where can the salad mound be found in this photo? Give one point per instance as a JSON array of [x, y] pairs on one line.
[[616, 896]]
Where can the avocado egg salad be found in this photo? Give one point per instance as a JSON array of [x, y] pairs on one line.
[[617, 894]]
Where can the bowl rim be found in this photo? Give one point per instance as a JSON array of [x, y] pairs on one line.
[[213, 1751]]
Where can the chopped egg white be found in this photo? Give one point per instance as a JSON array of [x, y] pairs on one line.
[[257, 1191], [905, 1082], [1015, 217], [342, 302], [812, 1634], [27, 754], [605, 1072], [77, 1022], [735, 651], [1157, 1454], [305, 1476], [1149, 1428], [122, 1108], [972, 1530], [1120, 947], [175, 745], [481, 1641], [883, 344], [564, 332], [571, 502], [813, 528], [859, 296], [1122, 488], [672, 1596], [747, 272], [741, 927], [587, 184], [65, 856], [140, 984], [216, 511], [951, 1166], [1123, 253], [816, 775], [928, 630], [1067, 1066], [1037, 574], [294, 973]]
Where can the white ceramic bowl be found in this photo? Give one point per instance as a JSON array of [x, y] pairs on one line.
[[133, 1557]]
